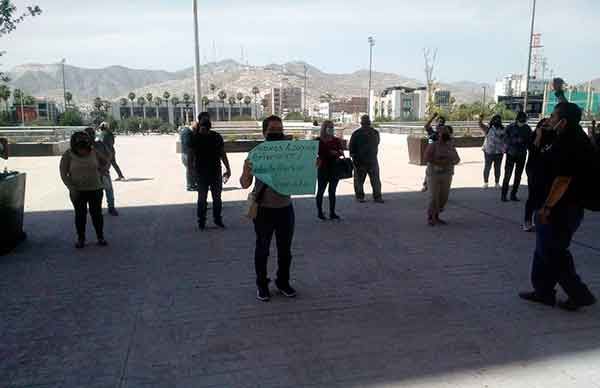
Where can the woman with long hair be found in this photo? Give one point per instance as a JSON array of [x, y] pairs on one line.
[[330, 150], [493, 148]]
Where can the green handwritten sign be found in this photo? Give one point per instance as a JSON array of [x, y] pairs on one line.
[[288, 167]]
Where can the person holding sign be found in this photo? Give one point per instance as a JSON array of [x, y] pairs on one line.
[[364, 147], [330, 150], [206, 151], [273, 214]]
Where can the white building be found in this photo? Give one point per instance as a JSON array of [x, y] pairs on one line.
[[399, 103], [514, 85]]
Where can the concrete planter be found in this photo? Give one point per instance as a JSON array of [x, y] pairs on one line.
[[12, 201], [416, 150], [38, 149]]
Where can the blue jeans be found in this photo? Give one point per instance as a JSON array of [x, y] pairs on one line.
[[552, 262], [215, 187], [110, 192]]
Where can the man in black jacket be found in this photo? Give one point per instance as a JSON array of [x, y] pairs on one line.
[[364, 147]]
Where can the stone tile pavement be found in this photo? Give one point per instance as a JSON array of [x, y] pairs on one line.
[[385, 301]]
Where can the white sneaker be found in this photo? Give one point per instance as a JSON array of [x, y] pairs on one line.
[[485, 186], [497, 185], [527, 227]]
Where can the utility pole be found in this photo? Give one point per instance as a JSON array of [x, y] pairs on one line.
[[64, 83], [371, 44], [529, 60], [22, 109], [305, 88], [484, 95], [197, 83]]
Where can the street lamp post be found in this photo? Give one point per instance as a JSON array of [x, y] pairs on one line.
[[484, 96], [64, 83], [197, 84], [529, 60], [371, 44]]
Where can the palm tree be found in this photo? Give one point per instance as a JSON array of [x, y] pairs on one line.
[[131, 97], [175, 101], [142, 102], [222, 96], [248, 101], [68, 98], [240, 98], [231, 104], [5, 95], [107, 105], [149, 98], [187, 101], [205, 102], [158, 103], [167, 97], [256, 92], [213, 88]]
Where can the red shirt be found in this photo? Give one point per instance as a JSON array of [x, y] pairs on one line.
[[329, 151]]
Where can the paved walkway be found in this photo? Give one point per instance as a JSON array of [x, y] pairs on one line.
[[385, 301]]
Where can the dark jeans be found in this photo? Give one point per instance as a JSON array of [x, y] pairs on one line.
[[552, 262], [533, 201], [496, 161], [281, 222], [326, 178], [360, 175], [190, 179], [81, 201], [516, 164], [216, 188], [114, 164]]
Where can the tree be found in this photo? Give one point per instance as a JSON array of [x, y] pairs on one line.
[[71, 118], [107, 106], [248, 101], [131, 97], [213, 88], [256, 92], [231, 104], [175, 101], [142, 102], [68, 98], [187, 101], [296, 116], [167, 97], [205, 102], [5, 95], [222, 96], [158, 103], [240, 97]]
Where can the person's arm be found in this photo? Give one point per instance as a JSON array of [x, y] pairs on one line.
[[226, 163], [483, 127], [558, 84], [247, 177], [65, 165], [352, 145], [428, 127], [429, 153], [103, 155], [558, 190]]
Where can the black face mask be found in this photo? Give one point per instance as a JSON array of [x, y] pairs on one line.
[[275, 136], [445, 137], [205, 124]]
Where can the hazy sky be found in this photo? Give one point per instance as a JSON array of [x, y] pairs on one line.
[[478, 40]]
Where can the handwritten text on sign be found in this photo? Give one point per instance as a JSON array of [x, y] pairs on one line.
[[288, 167]]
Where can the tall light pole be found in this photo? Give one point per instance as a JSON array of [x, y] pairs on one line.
[[305, 88], [197, 85], [371, 44], [484, 97], [64, 83], [529, 60]]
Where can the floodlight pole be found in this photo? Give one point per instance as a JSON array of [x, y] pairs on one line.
[[529, 60], [197, 83], [371, 44]]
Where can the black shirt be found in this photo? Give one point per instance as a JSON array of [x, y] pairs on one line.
[[206, 150], [364, 146]]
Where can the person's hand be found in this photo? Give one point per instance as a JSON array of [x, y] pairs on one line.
[[544, 215], [558, 84], [227, 174], [248, 167]]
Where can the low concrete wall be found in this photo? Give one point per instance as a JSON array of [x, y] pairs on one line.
[[38, 149]]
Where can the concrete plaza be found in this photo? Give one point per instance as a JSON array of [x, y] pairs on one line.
[[384, 300]]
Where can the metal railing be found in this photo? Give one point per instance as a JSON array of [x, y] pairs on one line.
[[38, 134]]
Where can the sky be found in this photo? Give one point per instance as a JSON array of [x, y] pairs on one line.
[[477, 40]]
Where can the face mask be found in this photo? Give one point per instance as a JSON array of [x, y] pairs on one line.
[[520, 124], [330, 131], [275, 136], [204, 123], [445, 137]]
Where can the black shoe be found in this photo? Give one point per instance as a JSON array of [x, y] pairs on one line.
[[361, 200], [102, 242], [80, 244], [220, 224], [322, 216], [503, 199], [201, 226], [571, 305], [263, 294], [514, 198], [286, 289], [532, 296], [113, 212], [334, 217], [379, 200]]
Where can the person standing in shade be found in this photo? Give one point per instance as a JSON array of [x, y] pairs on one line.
[[441, 157], [185, 137], [206, 151], [275, 215], [104, 158], [330, 150], [517, 140], [432, 135], [493, 148], [108, 137], [80, 172], [564, 181], [364, 147]]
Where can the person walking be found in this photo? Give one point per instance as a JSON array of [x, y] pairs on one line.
[[441, 157], [432, 135], [185, 136], [493, 148], [206, 151], [330, 150], [80, 172], [517, 140], [565, 164], [104, 158], [108, 137], [364, 147], [274, 215]]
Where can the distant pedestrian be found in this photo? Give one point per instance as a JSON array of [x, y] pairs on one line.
[[104, 158], [330, 150], [185, 136], [594, 134], [564, 181], [107, 137], [207, 151], [274, 215], [364, 148], [493, 149], [80, 172], [441, 157], [432, 136], [517, 140]]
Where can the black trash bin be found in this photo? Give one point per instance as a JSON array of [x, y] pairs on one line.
[[12, 201]]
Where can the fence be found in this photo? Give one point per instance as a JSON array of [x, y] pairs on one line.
[[21, 135]]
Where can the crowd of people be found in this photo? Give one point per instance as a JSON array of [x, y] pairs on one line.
[[555, 157]]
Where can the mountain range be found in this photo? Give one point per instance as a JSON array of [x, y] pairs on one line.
[[115, 82]]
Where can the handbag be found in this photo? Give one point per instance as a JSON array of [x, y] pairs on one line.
[[253, 201], [343, 168]]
